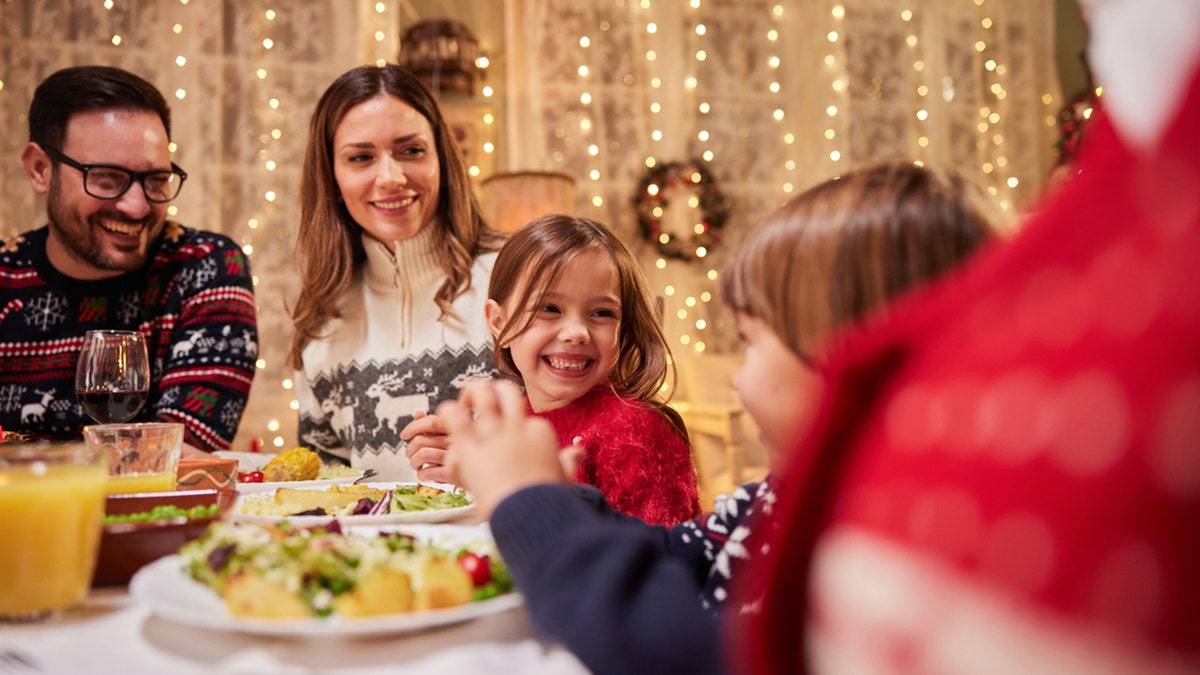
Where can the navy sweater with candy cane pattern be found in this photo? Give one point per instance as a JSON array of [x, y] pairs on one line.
[[194, 302]]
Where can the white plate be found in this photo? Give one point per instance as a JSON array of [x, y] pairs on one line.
[[255, 461], [429, 516], [169, 592]]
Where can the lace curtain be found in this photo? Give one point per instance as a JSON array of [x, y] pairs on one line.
[[782, 94]]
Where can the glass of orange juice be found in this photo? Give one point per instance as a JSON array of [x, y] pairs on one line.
[[51, 516], [143, 457]]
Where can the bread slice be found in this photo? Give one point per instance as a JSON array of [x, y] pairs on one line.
[[338, 496]]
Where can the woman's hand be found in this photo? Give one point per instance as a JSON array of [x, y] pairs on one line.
[[426, 449], [495, 449]]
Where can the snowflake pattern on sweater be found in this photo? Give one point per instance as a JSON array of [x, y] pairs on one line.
[[194, 302], [715, 544]]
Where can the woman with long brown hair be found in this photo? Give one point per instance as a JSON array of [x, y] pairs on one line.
[[394, 258]]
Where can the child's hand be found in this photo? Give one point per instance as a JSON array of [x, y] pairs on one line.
[[427, 444], [570, 458], [495, 449]]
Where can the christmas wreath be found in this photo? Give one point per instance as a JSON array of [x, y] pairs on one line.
[[651, 201]]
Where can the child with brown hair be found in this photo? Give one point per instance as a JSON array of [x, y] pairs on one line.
[[829, 257], [573, 321]]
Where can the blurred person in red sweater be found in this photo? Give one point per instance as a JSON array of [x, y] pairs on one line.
[[1005, 475]]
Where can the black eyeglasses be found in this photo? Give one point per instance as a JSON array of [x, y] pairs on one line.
[[104, 181]]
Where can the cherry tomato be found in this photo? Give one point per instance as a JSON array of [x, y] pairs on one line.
[[250, 477], [478, 567]]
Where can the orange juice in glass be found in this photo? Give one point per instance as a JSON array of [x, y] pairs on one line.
[[51, 516], [143, 457]]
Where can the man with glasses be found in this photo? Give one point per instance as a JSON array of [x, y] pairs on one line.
[[99, 151]]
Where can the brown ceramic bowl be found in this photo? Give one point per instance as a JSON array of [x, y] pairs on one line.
[[207, 473], [127, 547]]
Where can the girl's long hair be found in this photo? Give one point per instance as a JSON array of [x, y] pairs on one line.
[[532, 261], [328, 245]]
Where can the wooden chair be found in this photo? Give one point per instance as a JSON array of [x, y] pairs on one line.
[[724, 439]]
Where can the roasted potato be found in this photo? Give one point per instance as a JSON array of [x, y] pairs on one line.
[[445, 584], [382, 593], [295, 464], [248, 594]]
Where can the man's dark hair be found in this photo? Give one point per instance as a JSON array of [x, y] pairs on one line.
[[86, 88]]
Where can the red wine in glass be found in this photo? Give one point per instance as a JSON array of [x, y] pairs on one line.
[[112, 380], [107, 406]]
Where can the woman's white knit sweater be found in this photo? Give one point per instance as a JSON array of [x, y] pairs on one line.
[[389, 355]]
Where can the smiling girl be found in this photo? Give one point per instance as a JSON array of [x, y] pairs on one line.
[[573, 320]]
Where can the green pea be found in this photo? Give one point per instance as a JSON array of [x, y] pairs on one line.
[[164, 512]]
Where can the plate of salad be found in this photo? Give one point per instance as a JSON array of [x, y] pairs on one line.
[[204, 585], [355, 504]]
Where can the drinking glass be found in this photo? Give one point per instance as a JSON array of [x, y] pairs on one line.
[[112, 380], [51, 515], [142, 457]]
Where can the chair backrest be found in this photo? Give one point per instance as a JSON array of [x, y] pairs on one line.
[[707, 377]]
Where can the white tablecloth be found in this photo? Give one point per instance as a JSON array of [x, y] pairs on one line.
[[113, 634]]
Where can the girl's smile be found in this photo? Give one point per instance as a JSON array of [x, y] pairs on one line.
[[570, 345]]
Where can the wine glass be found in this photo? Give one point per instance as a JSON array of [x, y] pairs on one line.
[[112, 380]]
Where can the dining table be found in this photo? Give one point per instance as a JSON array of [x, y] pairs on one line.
[[114, 632]]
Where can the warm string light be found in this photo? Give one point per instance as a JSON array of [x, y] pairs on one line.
[[912, 41], [656, 133], [270, 134], [378, 27], [995, 162], [116, 38], [696, 215], [488, 118], [1051, 118], [776, 89], [684, 297], [179, 36], [488, 92], [691, 83], [656, 110], [839, 77], [586, 125]]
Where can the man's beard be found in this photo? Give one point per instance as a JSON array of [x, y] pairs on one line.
[[82, 238]]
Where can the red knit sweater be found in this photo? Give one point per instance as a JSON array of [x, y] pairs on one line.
[[631, 454]]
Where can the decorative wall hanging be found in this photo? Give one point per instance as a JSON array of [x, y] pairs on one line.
[[680, 209]]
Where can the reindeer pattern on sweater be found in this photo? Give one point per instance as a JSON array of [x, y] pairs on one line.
[[366, 405]]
